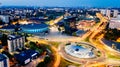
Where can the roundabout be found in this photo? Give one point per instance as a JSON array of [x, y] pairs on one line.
[[84, 55], [78, 50]]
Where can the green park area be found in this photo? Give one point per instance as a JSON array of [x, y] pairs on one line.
[[65, 63], [113, 56]]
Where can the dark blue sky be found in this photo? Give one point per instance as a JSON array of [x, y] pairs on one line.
[[64, 3]]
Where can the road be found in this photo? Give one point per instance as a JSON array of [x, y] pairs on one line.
[[35, 62], [94, 36], [42, 41], [57, 36], [56, 54], [95, 39], [75, 59]]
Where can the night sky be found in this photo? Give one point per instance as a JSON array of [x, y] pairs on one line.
[[62, 3]]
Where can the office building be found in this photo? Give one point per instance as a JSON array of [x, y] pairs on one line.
[[103, 11], [15, 42], [4, 18], [106, 12], [9, 28], [115, 13], [26, 56], [4, 61], [114, 24]]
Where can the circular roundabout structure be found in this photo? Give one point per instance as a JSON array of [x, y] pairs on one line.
[[79, 52]]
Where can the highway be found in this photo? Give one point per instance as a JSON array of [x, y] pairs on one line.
[[94, 35], [42, 41], [95, 39]]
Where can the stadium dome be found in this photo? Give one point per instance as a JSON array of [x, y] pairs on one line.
[[34, 28]]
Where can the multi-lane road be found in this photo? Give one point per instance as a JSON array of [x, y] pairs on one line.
[[94, 35]]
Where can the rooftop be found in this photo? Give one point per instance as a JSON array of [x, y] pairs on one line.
[[39, 19], [24, 55], [34, 26], [9, 27], [2, 57], [12, 37]]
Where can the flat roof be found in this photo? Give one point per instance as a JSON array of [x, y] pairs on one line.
[[12, 37], [39, 19], [24, 55], [2, 57], [9, 27], [34, 26]]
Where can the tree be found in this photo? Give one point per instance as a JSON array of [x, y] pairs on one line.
[[4, 39], [74, 34], [42, 64], [47, 59], [33, 45], [59, 29]]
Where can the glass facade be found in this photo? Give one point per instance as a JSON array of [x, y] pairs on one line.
[[36, 30]]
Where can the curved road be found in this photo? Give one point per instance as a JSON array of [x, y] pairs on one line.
[[93, 39]]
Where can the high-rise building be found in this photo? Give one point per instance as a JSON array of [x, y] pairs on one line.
[[15, 42], [4, 61], [118, 16], [114, 24], [4, 18], [103, 11], [108, 13], [115, 13]]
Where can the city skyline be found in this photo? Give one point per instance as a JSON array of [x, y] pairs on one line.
[[58, 34], [61, 3]]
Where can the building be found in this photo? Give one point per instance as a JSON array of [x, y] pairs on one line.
[[114, 24], [15, 42], [118, 17], [4, 18], [35, 28], [106, 12], [9, 28], [84, 24], [115, 13], [103, 11], [26, 56], [4, 61], [70, 24]]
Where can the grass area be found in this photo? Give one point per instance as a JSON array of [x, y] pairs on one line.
[[55, 44], [65, 63], [53, 58], [99, 54], [113, 57], [86, 39]]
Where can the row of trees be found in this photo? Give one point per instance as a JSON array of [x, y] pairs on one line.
[[112, 34], [46, 61], [42, 49]]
